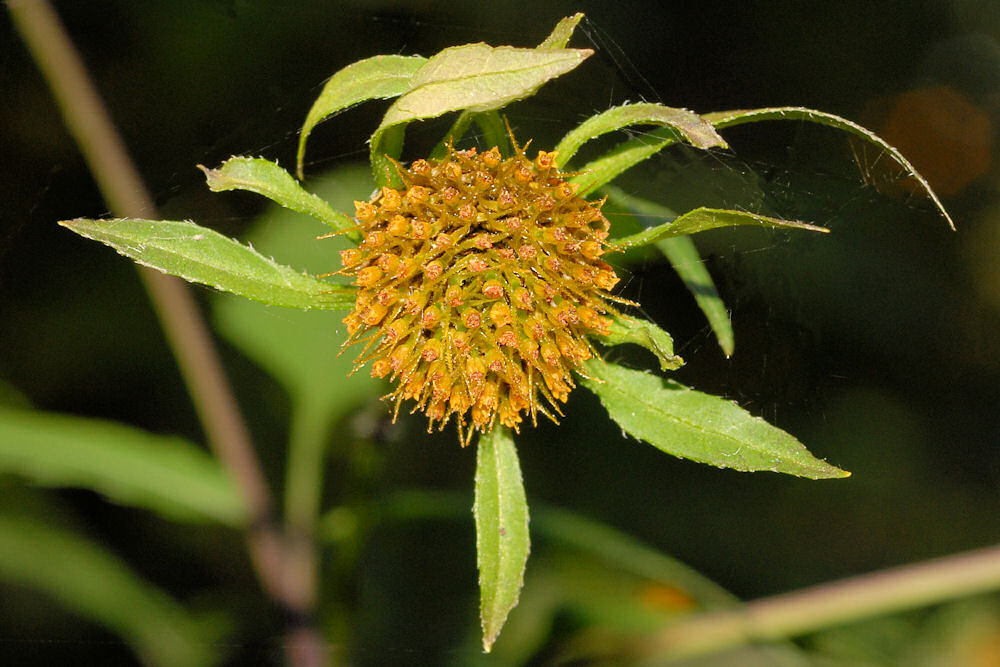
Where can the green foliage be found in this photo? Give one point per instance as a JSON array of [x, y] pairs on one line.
[[85, 578], [648, 335], [300, 349], [200, 255], [502, 542], [268, 179], [165, 474], [697, 426]]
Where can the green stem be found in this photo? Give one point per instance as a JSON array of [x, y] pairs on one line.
[[304, 494], [811, 609]]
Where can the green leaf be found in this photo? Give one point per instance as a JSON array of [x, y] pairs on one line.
[[683, 256], [702, 219], [88, 580], [627, 154], [560, 35], [502, 542], [198, 254], [379, 77], [648, 335], [722, 119], [165, 474], [686, 124], [697, 426], [477, 77], [267, 178]]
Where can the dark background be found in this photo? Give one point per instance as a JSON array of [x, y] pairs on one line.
[[876, 345]]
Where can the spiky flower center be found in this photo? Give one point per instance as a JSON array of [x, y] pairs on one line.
[[479, 282]]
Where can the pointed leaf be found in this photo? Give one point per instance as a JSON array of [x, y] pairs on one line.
[[267, 178], [702, 219], [721, 119], [627, 154], [380, 77], [477, 77], [502, 542], [683, 256], [200, 255], [687, 125], [165, 474], [88, 580], [560, 35], [697, 426], [648, 335]]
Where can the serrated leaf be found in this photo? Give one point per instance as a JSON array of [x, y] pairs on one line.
[[477, 77], [166, 474], [722, 119], [502, 541], [625, 155], [92, 582], [561, 34], [697, 426], [683, 256], [380, 77], [643, 332], [702, 219], [686, 125], [198, 254], [268, 179]]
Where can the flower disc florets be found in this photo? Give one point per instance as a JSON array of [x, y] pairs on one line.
[[479, 281]]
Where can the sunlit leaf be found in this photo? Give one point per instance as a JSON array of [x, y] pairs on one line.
[[379, 77], [697, 426], [502, 542], [687, 125], [267, 178], [648, 335], [166, 474], [561, 34], [198, 254], [477, 77], [89, 581], [722, 119], [625, 155], [683, 256], [702, 219]]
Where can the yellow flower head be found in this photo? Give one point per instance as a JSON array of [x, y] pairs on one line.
[[479, 282]]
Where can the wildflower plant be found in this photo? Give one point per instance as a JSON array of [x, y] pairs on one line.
[[478, 286]]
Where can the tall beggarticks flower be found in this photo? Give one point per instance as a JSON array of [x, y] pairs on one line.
[[479, 282]]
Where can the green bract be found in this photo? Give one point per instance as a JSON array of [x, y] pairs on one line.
[[476, 81]]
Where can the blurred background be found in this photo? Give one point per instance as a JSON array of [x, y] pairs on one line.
[[877, 345]]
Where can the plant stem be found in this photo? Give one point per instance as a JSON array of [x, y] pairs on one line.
[[818, 607], [119, 181]]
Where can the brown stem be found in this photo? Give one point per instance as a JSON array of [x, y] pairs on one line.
[[90, 125]]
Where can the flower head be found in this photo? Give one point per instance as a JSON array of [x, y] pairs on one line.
[[479, 281]]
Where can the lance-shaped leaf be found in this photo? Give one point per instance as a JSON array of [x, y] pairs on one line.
[[560, 35], [168, 475], [687, 125], [625, 155], [477, 77], [683, 256], [502, 542], [697, 426], [702, 219], [721, 119], [88, 580], [380, 77], [648, 335], [268, 179], [200, 255]]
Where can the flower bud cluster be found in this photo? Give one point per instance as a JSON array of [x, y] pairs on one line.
[[479, 281]]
